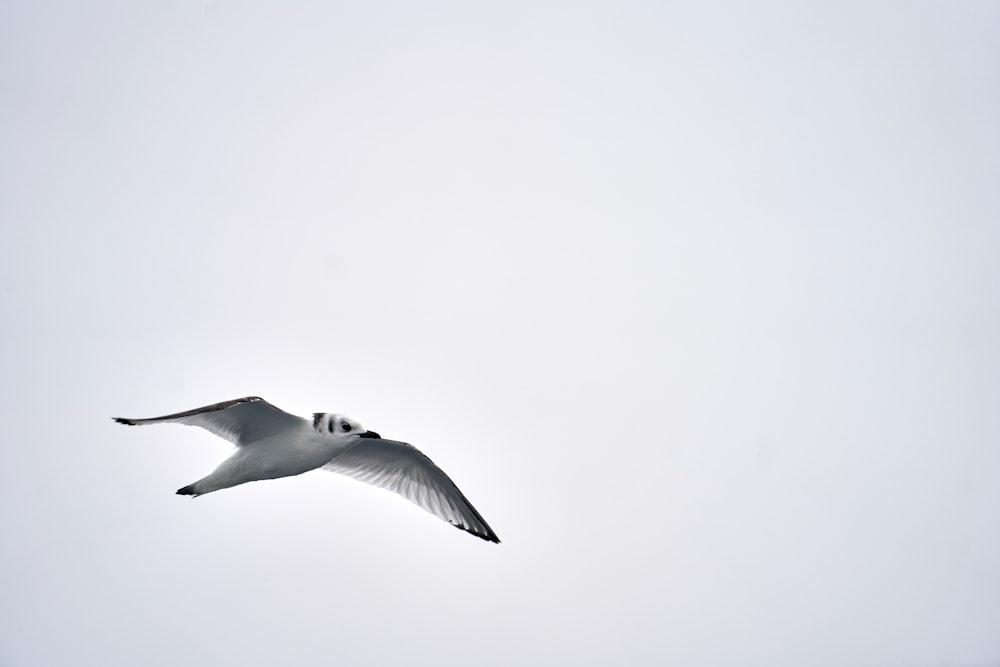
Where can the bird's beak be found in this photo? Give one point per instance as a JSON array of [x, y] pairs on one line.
[[370, 434]]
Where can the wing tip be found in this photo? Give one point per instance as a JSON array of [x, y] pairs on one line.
[[123, 420], [490, 536]]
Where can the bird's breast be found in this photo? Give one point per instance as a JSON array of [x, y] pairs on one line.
[[281, 457]]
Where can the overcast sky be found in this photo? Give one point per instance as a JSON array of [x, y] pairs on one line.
[[698, 303]]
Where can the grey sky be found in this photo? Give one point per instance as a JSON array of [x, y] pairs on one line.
[[699, 305]]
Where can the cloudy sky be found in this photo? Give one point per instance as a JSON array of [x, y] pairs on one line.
[[697, 302]]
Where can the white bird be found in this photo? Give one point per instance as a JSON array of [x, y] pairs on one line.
[[271, 443]]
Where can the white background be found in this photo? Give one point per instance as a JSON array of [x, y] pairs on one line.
[[698, 303]]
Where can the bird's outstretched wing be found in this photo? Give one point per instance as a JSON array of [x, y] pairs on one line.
[[240, 421], [403, 469]]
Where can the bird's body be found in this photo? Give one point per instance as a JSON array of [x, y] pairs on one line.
[[299, 450], [271, 443]]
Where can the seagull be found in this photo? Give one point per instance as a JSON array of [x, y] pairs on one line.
[[271, 443]]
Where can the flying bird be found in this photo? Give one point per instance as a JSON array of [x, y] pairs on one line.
[[271, 443]]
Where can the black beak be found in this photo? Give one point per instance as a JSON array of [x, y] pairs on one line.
[[370, 434]]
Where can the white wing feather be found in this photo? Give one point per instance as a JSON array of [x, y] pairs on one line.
[[240, 421], [403, 469]]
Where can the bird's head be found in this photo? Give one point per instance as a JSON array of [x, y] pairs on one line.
[[341, 425]]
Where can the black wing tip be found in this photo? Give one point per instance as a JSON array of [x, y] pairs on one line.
[[489, 537], [187, 491], [123, 420]]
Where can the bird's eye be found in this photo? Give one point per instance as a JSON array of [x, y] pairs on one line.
[[346, 427]]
